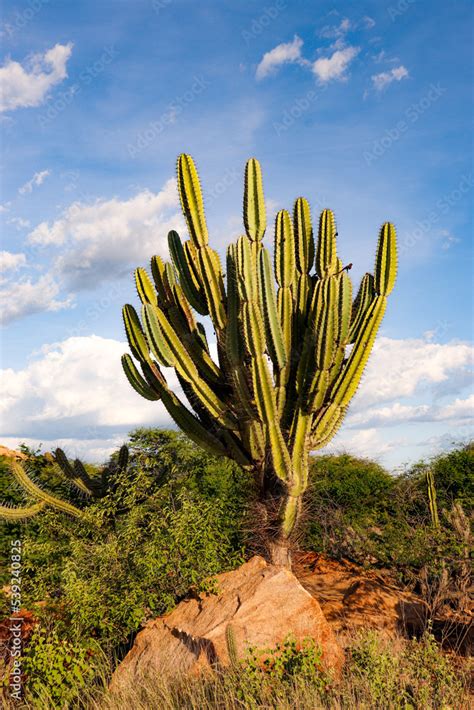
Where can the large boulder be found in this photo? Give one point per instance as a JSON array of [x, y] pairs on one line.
[[260, 604]]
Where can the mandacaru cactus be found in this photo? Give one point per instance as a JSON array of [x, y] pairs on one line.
[[291, 342], [75, 473]]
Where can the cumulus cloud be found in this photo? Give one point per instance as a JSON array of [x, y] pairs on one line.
[[101, 240], [335, 66], [19, 222], [365, 443], [29, 84], [36, 180], [380, 81], [399, 367], [24, 297], [75, 390], [10, 261], [282, 54]]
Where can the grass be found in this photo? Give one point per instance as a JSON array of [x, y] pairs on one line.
[[380, 674]]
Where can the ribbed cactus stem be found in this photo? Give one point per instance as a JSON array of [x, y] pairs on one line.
[[433, 503], [284, 375]]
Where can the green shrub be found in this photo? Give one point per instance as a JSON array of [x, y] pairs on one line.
[[57, 668], [168, 522]]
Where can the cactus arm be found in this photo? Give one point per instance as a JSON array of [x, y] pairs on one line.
[[136, 380], [192, 203], [386, 260], [135, 336], [326, 254], [326, 426], [13, 515], [304, 241], [68, 471], [36, 492], [364, 298], [184, 365], [284, 250], [213, 283], [187, 278], [185, 419], [145, 290], [348, 381], [272, 322], [255, 218]]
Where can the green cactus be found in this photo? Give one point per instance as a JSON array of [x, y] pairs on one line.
[[42, 497], [431, 488], [231, 643], [284, 375], [95, 487]]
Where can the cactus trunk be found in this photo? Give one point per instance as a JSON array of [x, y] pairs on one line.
[[292, 343]]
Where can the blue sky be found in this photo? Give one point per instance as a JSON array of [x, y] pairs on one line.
[[363, 108]]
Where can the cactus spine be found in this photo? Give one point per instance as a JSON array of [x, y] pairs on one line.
[[284, 376]]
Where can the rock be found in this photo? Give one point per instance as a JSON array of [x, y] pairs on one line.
[[261, 603], [352, 597]]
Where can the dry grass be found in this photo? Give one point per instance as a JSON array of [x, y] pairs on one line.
[[380, 674]]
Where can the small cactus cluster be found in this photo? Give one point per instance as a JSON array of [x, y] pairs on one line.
[[75, 473], [284, 374]]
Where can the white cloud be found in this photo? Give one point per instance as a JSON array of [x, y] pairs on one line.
[[336, 31], [282, 54], [380, 81], [75, 390], [459, 409], [335, 66], [36, 180], [22, 298], [10, 261], [399, 368], [28, 85], [365, 443], [101, 240], [19, 222]]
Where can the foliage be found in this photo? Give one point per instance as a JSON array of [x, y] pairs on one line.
[[419, 675], [57, 667], [393, 675], [170, 520]]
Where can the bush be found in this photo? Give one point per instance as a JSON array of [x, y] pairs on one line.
[[173, 518], [57, 669]]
